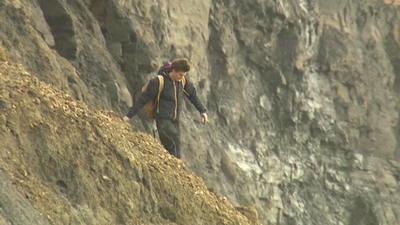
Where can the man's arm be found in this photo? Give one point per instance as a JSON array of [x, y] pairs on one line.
[[148, 95], [190, 92]]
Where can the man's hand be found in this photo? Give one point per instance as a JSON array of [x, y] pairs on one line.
[[126, 119], [204, 118]]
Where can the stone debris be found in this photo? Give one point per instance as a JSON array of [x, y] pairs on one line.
[[70, 154]]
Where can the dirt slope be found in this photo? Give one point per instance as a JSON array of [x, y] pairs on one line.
[[63, 163]]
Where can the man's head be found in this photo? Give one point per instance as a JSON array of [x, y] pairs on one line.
[[179, 67]]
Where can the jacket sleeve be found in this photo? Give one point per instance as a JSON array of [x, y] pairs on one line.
[[190, 92], [148, 95]]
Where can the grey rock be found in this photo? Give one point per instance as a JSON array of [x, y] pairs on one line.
[[15, 208], [303, 96]]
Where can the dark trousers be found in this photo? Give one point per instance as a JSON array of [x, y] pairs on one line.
[[169, 134]]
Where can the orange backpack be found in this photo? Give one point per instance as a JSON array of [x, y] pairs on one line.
[[151, 105]]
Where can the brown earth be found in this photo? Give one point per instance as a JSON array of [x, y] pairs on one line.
[[68, 164]]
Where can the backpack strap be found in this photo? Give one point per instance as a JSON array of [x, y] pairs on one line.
[[183, 85], [160, 89], [183, 81]]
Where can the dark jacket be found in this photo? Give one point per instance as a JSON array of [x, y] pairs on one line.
[[170, 99]]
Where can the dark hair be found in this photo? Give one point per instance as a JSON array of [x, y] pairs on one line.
[[181, 65]]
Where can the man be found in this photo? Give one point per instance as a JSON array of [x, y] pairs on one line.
[[176, 86]]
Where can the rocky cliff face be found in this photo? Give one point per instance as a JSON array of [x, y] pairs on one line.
[[303, 95]]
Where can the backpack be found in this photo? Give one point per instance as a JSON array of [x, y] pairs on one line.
[[151, 106]]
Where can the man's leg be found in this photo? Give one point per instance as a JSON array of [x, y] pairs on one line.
[[169, 134]]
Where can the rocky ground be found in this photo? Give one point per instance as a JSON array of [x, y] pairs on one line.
[[64, 163], [303, 95]]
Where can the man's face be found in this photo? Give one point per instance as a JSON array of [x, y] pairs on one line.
[[177, 75]]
